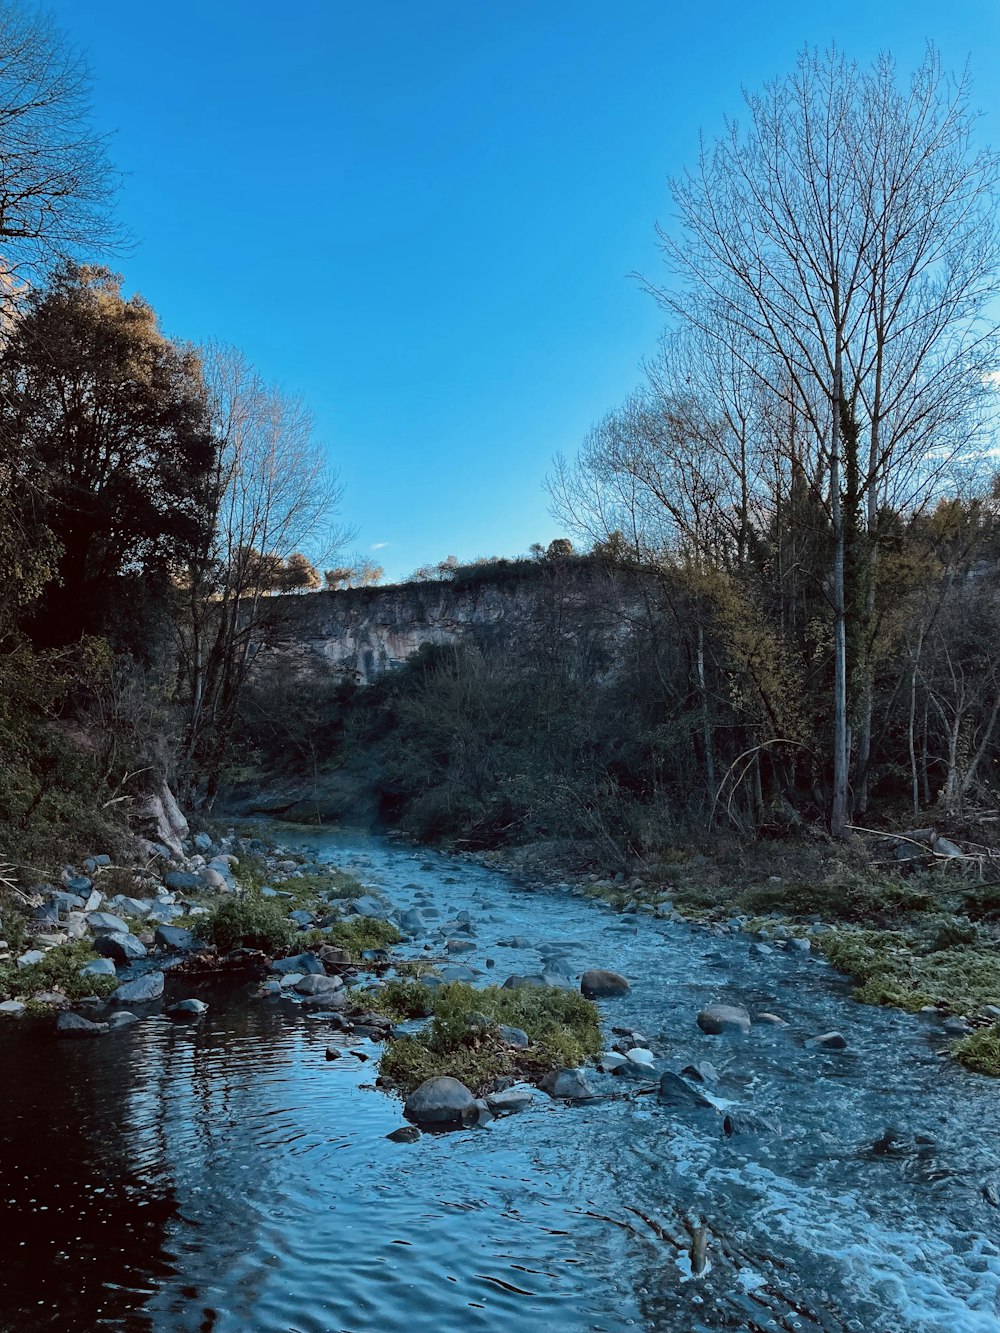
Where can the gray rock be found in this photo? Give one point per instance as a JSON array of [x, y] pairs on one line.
[[212, 879], [102, 923], [73, 1025], [30, 958], [828, 1041], [439, 1101], [306, 963], [742, 1122], [702, 1071], [78, 884], [99, 967], [187, 1009], [459, 946], [721, 1019], [405, 1134], [124, 1018], [203, 842], [799, 943], [516, 1038], [122, 947], [567, 1084], [413, 921], [368, 905], [477, 1115], [454, 972], [12, 1008], [141, 991], [599, 984], [175, 938], [510, 1100], [609, 1062], [182, 880], [517, 982], [314, 984], [301, 917], [770, 1020], [674, 1091], [125, 906]]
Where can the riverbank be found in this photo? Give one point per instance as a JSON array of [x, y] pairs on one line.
[[918, 932]]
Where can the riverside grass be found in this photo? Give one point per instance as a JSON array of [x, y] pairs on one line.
[[463, 1038]]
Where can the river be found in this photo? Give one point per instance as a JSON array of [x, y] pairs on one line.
[[225, 1177]]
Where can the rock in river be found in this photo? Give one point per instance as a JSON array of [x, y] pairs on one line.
[[828, 1041], [121, 946], [439, 1101], [306, 963], [188, 1009], [719, 1019], [72, 1025], [673, 1091], [141, 991], [599, 984], [568, 1084]]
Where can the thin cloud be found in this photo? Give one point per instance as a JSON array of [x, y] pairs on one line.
[[378, 546]]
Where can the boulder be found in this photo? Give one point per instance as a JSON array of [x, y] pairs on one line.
[[721, 1019], [405, 1134], [742, 1122], [99, 967], [187, 1009], [12, 1008], [459, 946], [73, 1025], [212, 879], [439, 1101], [674, 1091], [182, 880], [104, 923], [828, 1041], [30, 958], [124, 1018], [203, 842], [510, 1100], [315, 984], [702, 1071], [121, 946], [141, 991], [566, 1084], [516, 1038], [599, 984], [174, 938], [306, 963], [368, 905]]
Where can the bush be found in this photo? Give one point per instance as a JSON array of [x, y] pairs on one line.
[[59, 971], [980, 1051], [365, 933], [250, 922]]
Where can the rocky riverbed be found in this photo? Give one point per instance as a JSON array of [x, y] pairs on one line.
[[747, 1148]]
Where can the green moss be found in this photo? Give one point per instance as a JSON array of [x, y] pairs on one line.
[[365, 933], [980, 1051], [59, 970], [908, 969], [251, 873], [401, 999], [248, 921], [563, 1028], [322, 886]]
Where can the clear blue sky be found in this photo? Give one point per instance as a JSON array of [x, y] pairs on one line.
[[420, 215]]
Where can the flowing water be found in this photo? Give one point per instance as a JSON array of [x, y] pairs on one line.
[[225, 1176]]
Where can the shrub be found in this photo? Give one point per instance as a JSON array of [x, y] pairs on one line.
[[980, 1051], [59, 970], [365, 933], [251, 922]]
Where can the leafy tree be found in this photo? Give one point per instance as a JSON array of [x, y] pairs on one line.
[[104, 421]]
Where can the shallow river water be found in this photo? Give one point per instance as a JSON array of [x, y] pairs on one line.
[[224, 1176]]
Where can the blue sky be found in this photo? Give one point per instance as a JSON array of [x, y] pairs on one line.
[[421, 216]]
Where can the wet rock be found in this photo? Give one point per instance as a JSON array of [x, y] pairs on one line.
[[828, 1041], [721, 1019], [743, 1123], [459, 946], [182, 880], [121, 946], [477, 1116], [106, 923], [439, 1101], [516, 942], [333, 1052], [456, 972], [174, 938], [510, 1100], [12, 1008], [73, 1025], [599, 984], [368, 905], [306, 963], [799, 944], [123, 1019], [405, 1134], [98, 967], [187, 1009], [674, 1091], [702, 1071], [956, 1026], [516, 1038], [566, 1084], [413, 921], [326, 1000], [609, 1062], [141, 991], [316, 984], [770, 1020]]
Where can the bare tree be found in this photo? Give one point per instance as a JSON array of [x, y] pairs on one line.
[[274, 495], [842, 247], [55, 180]]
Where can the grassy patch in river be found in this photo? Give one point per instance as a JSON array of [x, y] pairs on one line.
[[463, 1038]]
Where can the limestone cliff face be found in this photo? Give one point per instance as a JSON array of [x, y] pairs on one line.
[[363, 632]]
